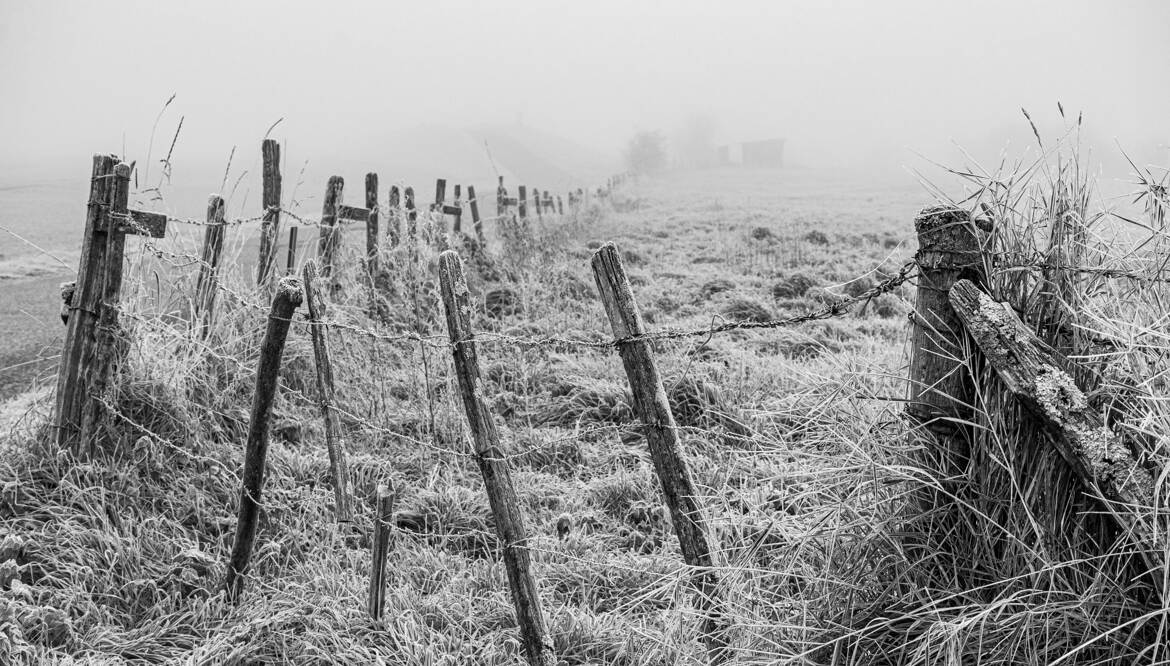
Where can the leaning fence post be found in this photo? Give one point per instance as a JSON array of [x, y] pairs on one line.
[[320, 335], [270, 227], [661, 434], [330, 236], [474, 205], [942, 391], [383, 517], [207, 284], [84, 305], [492, 463], [284, 304], [372, 262]]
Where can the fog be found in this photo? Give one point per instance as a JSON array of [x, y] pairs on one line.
[[847, 84]]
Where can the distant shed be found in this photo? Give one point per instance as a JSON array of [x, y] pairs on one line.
[[762, 153]]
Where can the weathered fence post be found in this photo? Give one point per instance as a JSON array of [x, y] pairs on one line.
[[411, 213], [383, 523], [207, 284], [320, 334], [942, 392], [284, 304], [492, 463], [440, 194], [291, 260], [522, 204], [456, 210], [108, 342], [658, 426], [270, 197], [474, 205], [84, 305], [394, 217], [372, 255], [537, 203], [330, 236], [501, 194], [560, 206]]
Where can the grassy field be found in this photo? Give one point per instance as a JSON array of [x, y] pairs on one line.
[[794, 435]]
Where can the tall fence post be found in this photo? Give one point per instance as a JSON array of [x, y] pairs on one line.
[[320, 334], [942, 392], [383, 522], [522, 204], [284, 304], [84, 306], [492, 463], [109, 344], [330, 235], [372, 254], [658, 425], [270, 198], [207, 284]]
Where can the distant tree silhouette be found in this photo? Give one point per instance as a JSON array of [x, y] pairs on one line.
[[646, 152]]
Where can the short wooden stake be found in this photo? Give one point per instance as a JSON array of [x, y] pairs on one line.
[[320, 334], [284, 304], [330, 236], [383, 530], [492, 463], [372, 254], [661, 434], [270, 198], [207, 284]]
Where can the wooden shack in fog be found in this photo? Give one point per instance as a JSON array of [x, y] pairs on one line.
[[761, 153]]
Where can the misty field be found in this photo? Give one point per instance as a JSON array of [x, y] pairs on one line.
[[795, 434]]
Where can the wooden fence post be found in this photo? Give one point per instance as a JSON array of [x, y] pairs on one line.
[[320, 334], [109, 345], [270, 227], [291, 260], [560, 206], [373, 263], [537, 203], [207, 284], [383, 524], [522, 204], [330, 236], [394, 217], [661, 434], [474, 205], [84, 305], [492, 463], [284, 304], [440, 194], [501, 194], [411, 213], [942, 392]]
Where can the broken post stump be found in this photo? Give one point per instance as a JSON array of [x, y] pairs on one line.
[[658, 425], [338, 471], [1036, 375], [284, 304], [493, 464]]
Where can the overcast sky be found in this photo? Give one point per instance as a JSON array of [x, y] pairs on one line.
[[845, 82]]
